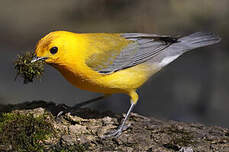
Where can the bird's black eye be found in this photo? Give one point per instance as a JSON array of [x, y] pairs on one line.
[[53, 50]]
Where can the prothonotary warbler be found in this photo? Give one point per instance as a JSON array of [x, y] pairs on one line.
[[114, 63]]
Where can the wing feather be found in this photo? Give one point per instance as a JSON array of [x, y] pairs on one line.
[[146, 48], [142, 48]]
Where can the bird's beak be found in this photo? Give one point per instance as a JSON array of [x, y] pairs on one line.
[[35, 59]]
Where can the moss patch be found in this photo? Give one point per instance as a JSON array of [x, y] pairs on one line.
[[27, 70], [21, 132]]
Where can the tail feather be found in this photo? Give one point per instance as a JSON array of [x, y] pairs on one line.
[[184, 44], [199, 39]]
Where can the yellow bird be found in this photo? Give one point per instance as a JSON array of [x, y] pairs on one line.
[[114, 63]]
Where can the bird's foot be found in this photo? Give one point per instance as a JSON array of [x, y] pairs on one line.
[[63, 110], [60, 114], [116, 133]]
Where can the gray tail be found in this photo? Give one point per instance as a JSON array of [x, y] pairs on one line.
[[196, 40]]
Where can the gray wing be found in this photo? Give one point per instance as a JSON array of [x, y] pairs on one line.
[[143, 48], [152, 48]]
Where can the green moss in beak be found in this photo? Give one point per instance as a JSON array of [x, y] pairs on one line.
[[28, 70]]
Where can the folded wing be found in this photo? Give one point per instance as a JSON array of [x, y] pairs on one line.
[[142, 48]]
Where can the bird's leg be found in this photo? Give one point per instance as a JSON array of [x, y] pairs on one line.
[[81, 105], [122, 127]]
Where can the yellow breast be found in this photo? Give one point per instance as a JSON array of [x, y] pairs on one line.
[[78, 48]]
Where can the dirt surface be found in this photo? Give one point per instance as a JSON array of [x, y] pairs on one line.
[[83, 130]]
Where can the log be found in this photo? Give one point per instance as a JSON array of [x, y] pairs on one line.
[[32, 126]]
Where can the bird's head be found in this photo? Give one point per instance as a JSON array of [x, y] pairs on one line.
[[54, 47]]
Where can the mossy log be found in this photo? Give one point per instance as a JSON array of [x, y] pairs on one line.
[[32, 126]]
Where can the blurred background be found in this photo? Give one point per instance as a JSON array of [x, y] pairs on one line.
[[194, 88]]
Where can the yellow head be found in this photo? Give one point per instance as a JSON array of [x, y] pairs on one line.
[[54, 47]]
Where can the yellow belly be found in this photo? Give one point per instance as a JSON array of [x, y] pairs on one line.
[[122, 81]]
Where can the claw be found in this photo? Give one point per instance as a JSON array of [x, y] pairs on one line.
[[59, 114], [65, 109], [116, 133]]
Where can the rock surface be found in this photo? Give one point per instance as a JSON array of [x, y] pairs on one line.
[[83, 130]]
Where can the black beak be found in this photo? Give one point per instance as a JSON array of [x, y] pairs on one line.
[[35, 59]]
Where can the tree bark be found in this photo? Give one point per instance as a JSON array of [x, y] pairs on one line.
[[83, 130]]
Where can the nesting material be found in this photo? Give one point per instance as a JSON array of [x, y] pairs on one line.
[[27, 70]]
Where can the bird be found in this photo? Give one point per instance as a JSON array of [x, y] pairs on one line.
[[111, 63]]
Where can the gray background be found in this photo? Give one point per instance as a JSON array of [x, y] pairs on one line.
[[194, 88]]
